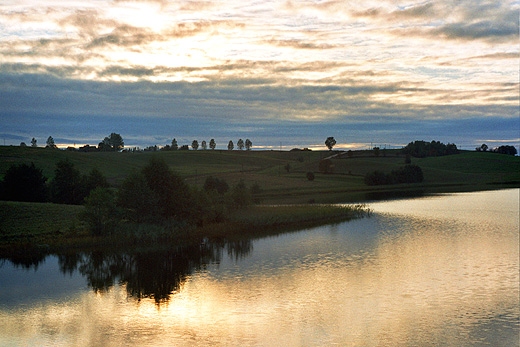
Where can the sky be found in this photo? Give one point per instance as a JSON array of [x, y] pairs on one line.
[[283, 74]]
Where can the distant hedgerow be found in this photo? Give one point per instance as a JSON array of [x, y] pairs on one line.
[[405, 174]]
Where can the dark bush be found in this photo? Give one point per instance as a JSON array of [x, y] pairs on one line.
[[68, 186], [213, 183], [376, 178], [406, 174], [326, 166], [310, 176], [24, 183]]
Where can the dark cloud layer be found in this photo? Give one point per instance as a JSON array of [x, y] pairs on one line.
[[153, 113]]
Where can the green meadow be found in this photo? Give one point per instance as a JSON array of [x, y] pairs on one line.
[[280, 175], [268, 169]]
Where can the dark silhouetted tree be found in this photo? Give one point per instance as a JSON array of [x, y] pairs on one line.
[[204, 145], [67, 186], [330, 142], [100, 213], [137, 200], [212, 144], [241, 196], [23, 144], [215, 184], [174, 146], [114, 142], [95, 179], [172, 193], [240, 144], [249, 144], [230, 145], [24, 183], [34, 142], [195, 145], [50, 143], [483, 148]]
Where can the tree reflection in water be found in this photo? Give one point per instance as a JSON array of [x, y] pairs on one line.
[[154, 274]]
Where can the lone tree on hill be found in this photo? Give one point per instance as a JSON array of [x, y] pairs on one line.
[[174, 146], [482, 148], [330, 142], [34, 143], [50, 143], [212, 144], [230, 145], [114, 142]]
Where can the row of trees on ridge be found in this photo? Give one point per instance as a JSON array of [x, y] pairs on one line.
[[114, 143]]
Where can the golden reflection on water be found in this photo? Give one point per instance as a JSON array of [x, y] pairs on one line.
[[444, 271]]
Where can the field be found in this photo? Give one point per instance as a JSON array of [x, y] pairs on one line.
[[267, 169], [281, 177]]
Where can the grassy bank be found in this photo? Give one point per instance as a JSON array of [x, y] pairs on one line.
[[59, 226]]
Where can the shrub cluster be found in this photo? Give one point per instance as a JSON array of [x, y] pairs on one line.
[[405, 174], [510, 150]]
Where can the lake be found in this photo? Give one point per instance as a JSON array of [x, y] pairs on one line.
[[441, 270]]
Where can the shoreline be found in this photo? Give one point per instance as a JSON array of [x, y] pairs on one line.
[[46, 234], [257, 221]]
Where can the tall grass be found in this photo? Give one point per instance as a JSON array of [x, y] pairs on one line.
[[260, 221]]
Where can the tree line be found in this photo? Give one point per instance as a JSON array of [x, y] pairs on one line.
[[505, 149], [155, 195], [422, 149], [114, 143], [26, 182]]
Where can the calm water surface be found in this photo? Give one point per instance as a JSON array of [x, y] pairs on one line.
[[433, 271]]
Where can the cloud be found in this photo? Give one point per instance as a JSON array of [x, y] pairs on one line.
[[259, 62], [481, 30]]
